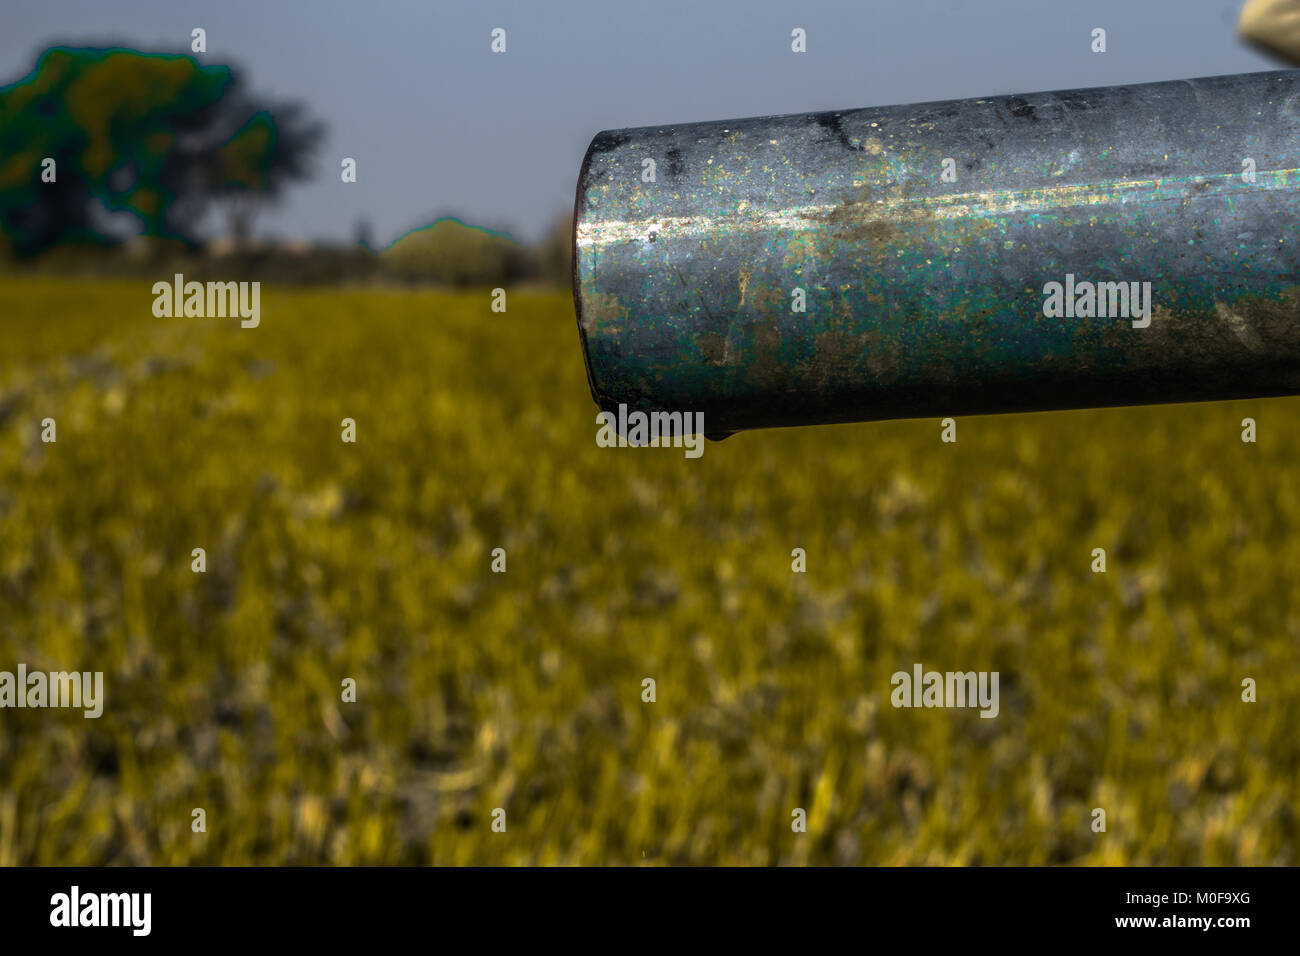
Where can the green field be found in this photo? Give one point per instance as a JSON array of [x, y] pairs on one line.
[[522, 690]]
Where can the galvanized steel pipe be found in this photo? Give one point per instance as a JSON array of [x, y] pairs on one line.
[[924, 238]]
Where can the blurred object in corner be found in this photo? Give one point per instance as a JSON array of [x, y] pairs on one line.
[[1273, 26]]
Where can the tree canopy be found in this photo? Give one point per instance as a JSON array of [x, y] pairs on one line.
[[159, 136]]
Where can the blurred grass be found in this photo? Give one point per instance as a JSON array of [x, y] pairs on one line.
[[523, 690]]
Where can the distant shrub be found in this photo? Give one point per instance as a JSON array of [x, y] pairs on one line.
[[452, 253]]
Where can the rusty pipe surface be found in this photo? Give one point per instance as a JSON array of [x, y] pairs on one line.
[[925, 244]]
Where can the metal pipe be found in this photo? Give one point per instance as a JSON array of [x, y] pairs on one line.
[[925, 239]]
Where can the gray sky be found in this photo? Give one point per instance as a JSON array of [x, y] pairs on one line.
[[439, 124]]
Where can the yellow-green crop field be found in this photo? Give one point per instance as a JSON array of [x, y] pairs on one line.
[[523, 690]]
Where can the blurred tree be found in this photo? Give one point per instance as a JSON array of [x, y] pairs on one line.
[[268, 150], [157, 136], [363, 235], [555, 252]]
